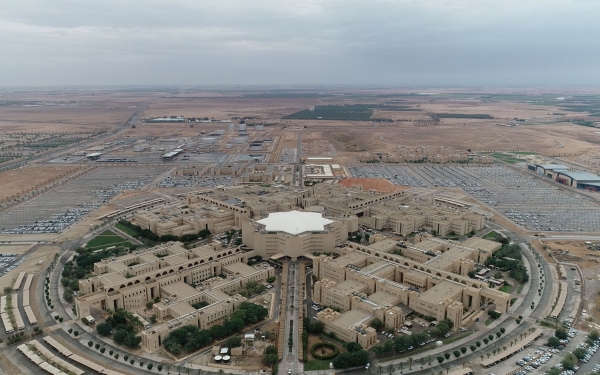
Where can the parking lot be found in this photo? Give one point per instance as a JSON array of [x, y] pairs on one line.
[[524, 199], [288, 155], [10, 261], [194, 181], [58, 209]]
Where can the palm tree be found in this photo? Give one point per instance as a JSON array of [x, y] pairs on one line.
[[401, 366], [390, 369], [422, 361], [504, 348], [488, 355], [410, 361], [481, 356]]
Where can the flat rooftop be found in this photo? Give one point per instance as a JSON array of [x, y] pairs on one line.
[[351, 258], [384, 245], [349, 286], [443, 290], [180, 289], [444, 261], [478, 243], [349, 318], [239, 268], [383, 298]]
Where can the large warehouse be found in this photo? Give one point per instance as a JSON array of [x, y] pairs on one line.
[[581, 180]]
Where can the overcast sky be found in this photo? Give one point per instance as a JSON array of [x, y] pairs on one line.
[[255, 42]]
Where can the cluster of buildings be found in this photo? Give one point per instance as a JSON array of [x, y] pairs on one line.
[[562, 174], [175, 277], [388, 279], [378, 279], [439, 155]]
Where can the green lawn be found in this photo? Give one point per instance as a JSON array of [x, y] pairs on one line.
[[507, 158], [107, 238], [316, 364], [506, 288], [489, 321], [127, 230], [491, 236]]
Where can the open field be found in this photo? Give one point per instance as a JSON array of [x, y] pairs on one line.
[[17, 181]]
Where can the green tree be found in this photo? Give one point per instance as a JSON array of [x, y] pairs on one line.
[[579, 353], [104, 329], [377, 324], [569, 361], [561, 334], [593, 335]]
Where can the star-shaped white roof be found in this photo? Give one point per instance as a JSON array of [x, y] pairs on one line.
[[294, 222]]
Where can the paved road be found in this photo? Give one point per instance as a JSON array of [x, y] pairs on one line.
[[513, 330], [290, 359]]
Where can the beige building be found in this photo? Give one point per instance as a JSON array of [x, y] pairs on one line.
[[294, 234], [177, 278], [429, 276]]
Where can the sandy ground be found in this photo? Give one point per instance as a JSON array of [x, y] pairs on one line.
[[18, 181], [589, 262], [43, 253]]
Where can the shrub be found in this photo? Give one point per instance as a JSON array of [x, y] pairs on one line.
[[125, 357], [478, 343], [70, 330], [456, 353], [159, 367], [150, 365], [102, 350], [141, 364], [110, 352], [132, 362], [56, 317], [90, 343], [97, 346], [463, 350], [440, 359], [473, 348], [315, 347], [117, 356], [76, 333], [447, 355], [60, 319]]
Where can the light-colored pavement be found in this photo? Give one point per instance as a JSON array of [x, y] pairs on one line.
[[290, 359]]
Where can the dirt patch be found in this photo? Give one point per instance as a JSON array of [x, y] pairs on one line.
[[381, 185], [574, 252], [348, 142], [8, 366], [19, 181]]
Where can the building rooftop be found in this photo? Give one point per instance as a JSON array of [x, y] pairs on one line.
[[581, 176], [443, 290], [384, 245], [349, 318], [478, 243], [351, 258], [349, 286], [383, 298], [553, 167], [180, 290], [295, 222], [239, 268]]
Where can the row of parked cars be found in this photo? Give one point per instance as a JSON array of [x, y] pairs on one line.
[[535, 360]]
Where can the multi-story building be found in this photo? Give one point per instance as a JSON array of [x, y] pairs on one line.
[[429, 276], [175, 277]]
